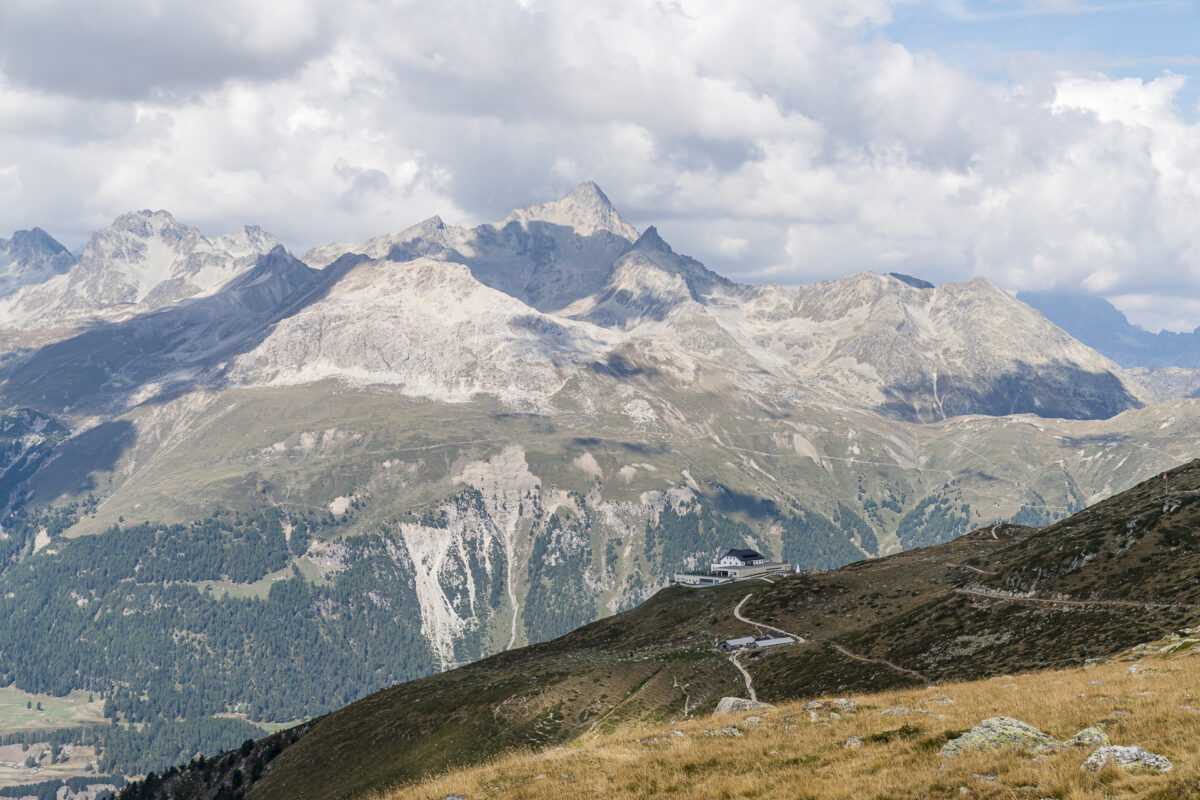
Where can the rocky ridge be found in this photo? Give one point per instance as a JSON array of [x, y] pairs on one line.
[[143, 260]]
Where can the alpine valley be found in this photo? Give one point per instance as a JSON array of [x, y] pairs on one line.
[[241, 489]]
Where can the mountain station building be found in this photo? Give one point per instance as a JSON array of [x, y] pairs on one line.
[[736, 565]]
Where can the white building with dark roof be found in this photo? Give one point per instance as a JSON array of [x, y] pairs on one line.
[[735, 565]]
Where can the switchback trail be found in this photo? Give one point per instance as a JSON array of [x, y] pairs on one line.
[[737, 612], [733, 659]]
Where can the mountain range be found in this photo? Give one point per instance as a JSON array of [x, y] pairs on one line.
[[444, 443], [1098, 324]]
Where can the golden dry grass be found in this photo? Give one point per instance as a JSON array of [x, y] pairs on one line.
[[789, 756]]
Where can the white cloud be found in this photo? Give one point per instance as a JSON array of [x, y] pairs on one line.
[[783, 140]]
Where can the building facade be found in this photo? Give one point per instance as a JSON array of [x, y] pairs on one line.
[[735, 565]]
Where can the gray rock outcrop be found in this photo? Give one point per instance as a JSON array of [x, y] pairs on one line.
[[1089, 737], [1001, 733], [1127, 758], [736, 705]]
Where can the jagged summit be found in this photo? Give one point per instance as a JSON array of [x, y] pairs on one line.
[[36, 239], [651, 240], [31, 257], [585, 209], [144, 259]]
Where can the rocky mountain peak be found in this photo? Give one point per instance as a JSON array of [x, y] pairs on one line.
[[35, 241], [31, 257], [144, 224], [650, 240], [585, 209], [248, 240], [144, 259]]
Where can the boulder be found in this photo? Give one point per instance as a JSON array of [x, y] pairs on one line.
[[845, 705], [853, 743], [1089, 737], [1126, 758], [726, 731], [735, 705], [1001, 733]]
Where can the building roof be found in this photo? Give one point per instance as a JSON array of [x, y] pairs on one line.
[[772, 641], [745, 555]]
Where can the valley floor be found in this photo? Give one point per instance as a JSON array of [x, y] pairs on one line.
[[1143, 697]]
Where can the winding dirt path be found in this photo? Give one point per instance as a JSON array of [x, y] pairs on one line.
[[884, 662], [973, 569], [992, 595], [737, 612], [733, 659]]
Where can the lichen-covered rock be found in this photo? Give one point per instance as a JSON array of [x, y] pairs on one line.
[[736, 705], [853, 743], [896, 711], [730, 730], [1001, 733], [1089, 737], [1126, 758], [844, 704]]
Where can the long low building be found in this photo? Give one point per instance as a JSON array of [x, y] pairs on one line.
[[736, 565], [756, 642]]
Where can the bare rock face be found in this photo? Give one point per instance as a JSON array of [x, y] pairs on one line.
[[1131, 758], [145, 259], [735, 705], [1001, 733], [31, 257]]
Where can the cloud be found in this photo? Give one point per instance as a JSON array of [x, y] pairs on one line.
[[784, 141], [130, 48]]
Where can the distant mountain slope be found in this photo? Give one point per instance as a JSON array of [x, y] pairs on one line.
[[31, 257], [1100, 325], [1003, 599], [143, 260]]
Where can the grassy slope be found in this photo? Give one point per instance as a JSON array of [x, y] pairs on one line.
[[788, 755], [906, 609], [57, 712]]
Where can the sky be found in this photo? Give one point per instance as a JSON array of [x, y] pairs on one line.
[[1042, 144]]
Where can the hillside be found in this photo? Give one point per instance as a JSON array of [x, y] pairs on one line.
[[1002, 600], [886, 745]]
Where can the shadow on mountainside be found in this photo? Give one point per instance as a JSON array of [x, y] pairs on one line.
[[70, 467], [545, 265], [110, 367], [1058, 391]]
